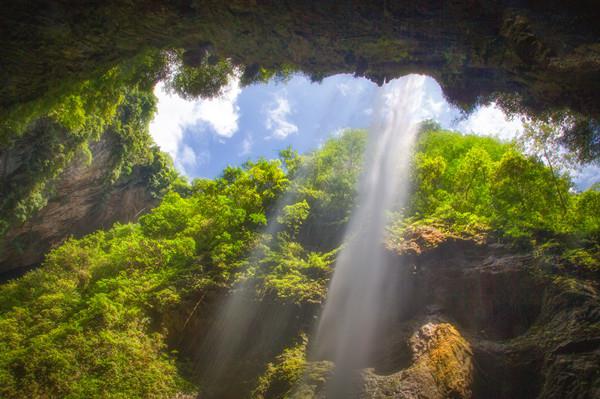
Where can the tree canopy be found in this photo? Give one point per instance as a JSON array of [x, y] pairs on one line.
[[88, 323]]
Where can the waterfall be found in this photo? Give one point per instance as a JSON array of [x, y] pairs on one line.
[[359, 287], [352, 315]]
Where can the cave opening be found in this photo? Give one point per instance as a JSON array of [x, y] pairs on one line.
[[290, 199]]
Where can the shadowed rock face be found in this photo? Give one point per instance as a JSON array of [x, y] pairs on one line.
[[472, 321], [526, 334], [83, 201], [548, 52]]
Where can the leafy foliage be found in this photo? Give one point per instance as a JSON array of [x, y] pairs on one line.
[[59, 126], [461, 180], [88, 323], [567, 132], [131, 126], [293, 265], [281, 375], [81, 326], [326, 180], [47, 148], [85, 324], [85, 108], [205, 80], [477, 187], [286, 271]]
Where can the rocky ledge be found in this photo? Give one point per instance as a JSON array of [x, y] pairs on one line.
[[471, 320]]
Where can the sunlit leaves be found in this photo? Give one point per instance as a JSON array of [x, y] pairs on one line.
[[525, 198], [81, 326], [290, 273], [464, 183], [292, 216]]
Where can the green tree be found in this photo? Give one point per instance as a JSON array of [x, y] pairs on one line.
[[472, 181], [544, 139], [205, 80]]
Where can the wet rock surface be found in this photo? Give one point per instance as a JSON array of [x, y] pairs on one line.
[[528, 334]]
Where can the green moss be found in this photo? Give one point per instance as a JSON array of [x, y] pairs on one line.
[[394, 50], [440, 349], [586, 259]]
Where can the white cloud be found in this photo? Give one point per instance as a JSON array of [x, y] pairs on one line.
[[175, 114], [338, 132], [490, 120], [222, 112], [188, 157], [203, 158], [247, 144], [277, 122], [436, 107], [350, 86]]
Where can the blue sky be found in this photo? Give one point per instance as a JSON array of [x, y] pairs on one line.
[[204, 136]]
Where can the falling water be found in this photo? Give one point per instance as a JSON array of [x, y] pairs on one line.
[[359, 287], [353, 311]]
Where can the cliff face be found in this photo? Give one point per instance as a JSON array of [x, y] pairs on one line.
[[470, 321], [547, 52], [523, 332], [480, 321], [82, 201]]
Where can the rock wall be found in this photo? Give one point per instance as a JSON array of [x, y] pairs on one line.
[[471, 321], [547, 52], [83, 201], [486, 322]]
